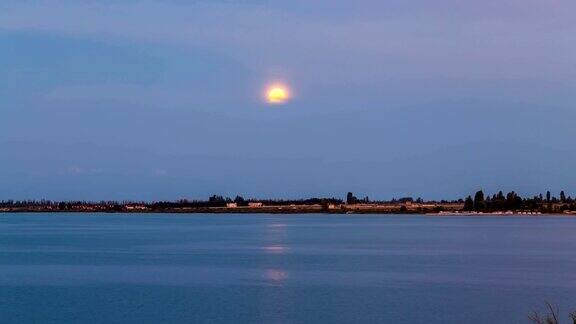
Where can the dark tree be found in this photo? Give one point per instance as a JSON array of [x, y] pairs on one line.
[[216, 198], [551, 317], [468, 204], [350, 199], [562, 196], [216, 201], [499, 203], [548, 196], [479, 203]]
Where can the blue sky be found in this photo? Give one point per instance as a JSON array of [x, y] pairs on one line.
[[161, 99]]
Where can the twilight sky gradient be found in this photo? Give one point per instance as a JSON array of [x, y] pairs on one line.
[[151, 99]]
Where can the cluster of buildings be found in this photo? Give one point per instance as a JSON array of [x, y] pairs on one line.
[[250, 205]]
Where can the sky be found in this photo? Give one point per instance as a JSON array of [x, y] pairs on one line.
[[162, 100]]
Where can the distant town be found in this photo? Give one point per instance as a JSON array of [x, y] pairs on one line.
[[479, 203]]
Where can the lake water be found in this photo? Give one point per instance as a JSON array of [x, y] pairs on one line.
[[81, 268]]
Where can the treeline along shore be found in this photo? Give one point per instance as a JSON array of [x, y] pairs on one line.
[[496, 204]]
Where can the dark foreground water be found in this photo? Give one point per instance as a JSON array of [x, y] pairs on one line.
[[283, 269]]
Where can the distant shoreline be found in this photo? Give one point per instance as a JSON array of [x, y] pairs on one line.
[[481, 205], [288, 211]]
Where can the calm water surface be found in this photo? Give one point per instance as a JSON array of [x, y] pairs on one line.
[[82, 268]]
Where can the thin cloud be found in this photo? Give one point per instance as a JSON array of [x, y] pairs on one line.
[[493, 39]]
